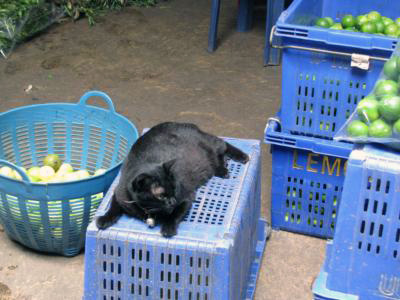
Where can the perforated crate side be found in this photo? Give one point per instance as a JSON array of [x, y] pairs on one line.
[[306, 190], [366, 248], [131, 260], [320, 91], [244, 230]]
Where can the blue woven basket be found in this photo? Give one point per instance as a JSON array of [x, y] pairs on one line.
[[53, 217]]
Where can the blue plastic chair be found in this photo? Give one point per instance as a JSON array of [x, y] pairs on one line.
[[244, 23], [274, 10], [244, 20]]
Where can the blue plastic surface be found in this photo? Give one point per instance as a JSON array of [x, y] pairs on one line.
[[363, 258], [320, 91], [53, 217], [216, 254], [307, 180], [321, 292]]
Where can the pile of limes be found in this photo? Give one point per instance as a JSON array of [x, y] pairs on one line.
[[379, 112], [53, 170], [373, 23]]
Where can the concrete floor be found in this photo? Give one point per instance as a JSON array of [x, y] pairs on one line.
[[153, 63]]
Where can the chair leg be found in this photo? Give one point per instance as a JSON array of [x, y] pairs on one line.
[[245, 15], [213, 31], [274, 9]]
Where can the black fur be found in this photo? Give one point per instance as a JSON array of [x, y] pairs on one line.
[[161, 173]]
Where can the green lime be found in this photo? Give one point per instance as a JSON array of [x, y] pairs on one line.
[[322, 22], [367, 109], [374, 16], [99, 172], [380, 27], [82, 174], [396, 127], [387, 21], [46, 173], [52, 160], [336, 26], [391, 30], [357, 129], [391, 68], [385, 87], [7, 171], [397, 21], [65, 168], [34, 174], [361, 20], [389, 108], [380, 129], [369, 27], [348, 21], [351, 29], [330, 21]]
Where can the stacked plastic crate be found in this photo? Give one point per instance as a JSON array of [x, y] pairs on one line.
[[325, 73], [363, 260]]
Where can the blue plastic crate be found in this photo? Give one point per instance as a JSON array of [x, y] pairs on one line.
[[320, 290], [53, 217], [363, 260], [321, 90], [296, 25], [307, 180], [216, 254]]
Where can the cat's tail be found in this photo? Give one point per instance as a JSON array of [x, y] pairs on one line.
[[236, 154], [111, 216]]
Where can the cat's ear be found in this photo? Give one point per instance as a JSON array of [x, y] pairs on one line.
[[142, 182], [168, 165]]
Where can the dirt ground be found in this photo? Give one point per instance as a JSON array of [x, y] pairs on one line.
[[154, 64]]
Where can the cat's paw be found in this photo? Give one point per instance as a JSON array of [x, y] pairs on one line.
[[244, 158], [103, 222], [222, 172], [169, 230]]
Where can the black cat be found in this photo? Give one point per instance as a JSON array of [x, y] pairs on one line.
[[164, 168]]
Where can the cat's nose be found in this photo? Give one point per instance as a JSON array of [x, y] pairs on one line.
[[171, 202]]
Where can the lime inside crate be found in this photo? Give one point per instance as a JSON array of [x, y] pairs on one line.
[[216, 254], [321, 90], [307, 181], [363, 260]]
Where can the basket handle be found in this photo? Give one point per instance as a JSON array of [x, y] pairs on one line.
[[14, 167], [102, 95]]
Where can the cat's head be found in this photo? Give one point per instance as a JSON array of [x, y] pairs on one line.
[[155, 189]]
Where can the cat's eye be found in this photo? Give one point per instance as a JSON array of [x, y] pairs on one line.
[[162, 197]]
